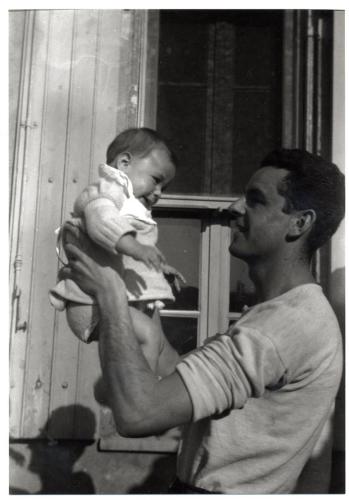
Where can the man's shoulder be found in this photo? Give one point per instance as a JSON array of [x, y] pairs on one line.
[[304, 310], [301, 325]]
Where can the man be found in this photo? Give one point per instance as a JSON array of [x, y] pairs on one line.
[[256, 398]]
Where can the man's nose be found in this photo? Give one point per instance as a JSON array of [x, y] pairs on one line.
[[237, 208]]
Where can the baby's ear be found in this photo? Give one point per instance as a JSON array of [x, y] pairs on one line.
[[122, 161], [301, 222]]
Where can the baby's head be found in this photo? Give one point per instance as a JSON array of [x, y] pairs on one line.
[[143, 155]]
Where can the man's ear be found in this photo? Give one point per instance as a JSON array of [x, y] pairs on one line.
[[122, 161], [301, 222]]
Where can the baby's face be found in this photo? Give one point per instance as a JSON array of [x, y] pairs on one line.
[[150, 176]]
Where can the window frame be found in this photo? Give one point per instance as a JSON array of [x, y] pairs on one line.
[[214, 266]]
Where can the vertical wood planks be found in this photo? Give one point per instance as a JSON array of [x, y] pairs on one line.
[[109, 117], [16, 39], [17, 113], [48, 214], [28, 157], [79, 85], [81, 56], [112, 82]]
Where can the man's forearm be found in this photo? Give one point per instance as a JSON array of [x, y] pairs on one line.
[[131, 383]]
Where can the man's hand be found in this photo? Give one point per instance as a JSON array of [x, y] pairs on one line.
[[89, 266]]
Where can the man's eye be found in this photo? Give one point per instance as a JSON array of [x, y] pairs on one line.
[[253, 201], [250, 201]]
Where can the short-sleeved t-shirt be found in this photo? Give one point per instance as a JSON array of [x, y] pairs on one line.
[[261, 394]]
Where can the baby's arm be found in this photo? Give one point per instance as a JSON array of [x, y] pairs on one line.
[[99, 205], [150, 255]]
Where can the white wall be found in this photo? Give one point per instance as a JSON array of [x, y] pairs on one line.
[[337, 280]]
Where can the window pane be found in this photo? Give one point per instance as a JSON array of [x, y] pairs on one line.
[[256, 134], [181, 333], [242, 291], [179, 241], [219, 99], [190, 175]]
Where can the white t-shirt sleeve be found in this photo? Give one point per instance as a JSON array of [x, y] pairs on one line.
[[229, 369]]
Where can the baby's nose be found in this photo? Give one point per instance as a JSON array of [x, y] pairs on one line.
[[158, 190], [237, 208]]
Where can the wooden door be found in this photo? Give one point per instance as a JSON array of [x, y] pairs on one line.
[[74, 84]]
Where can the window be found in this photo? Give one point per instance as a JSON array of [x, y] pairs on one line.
[[219, 106]]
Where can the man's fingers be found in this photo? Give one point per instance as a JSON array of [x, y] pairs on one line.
[[74, 234], [73, 252], [71, 228], [65, 273]]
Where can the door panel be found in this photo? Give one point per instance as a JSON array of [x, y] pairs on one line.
[[77, 93]]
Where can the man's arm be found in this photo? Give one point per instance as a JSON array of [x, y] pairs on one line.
[[168, 356], [142, 404]]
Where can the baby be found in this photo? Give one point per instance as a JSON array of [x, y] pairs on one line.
[[115, 212]]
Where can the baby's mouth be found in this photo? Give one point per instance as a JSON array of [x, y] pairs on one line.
[[147, 202], [151, 201]]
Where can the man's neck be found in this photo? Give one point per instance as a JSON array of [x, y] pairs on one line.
[[274, 278]]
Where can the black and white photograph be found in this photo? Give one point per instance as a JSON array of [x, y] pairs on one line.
[[176, 250]]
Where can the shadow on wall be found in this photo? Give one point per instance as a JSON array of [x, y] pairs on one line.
[[161, 476], [53, 461]]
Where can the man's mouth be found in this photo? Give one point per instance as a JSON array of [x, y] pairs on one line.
[[241, 229]]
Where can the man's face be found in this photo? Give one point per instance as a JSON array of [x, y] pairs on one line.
[[260, 226]]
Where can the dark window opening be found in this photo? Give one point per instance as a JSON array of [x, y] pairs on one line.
[[219, 95]]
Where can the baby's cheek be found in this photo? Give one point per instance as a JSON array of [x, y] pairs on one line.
[[139, 188]]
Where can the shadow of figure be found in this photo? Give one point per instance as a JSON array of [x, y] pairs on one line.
[[53, 460], [160, 477], [19, 459]]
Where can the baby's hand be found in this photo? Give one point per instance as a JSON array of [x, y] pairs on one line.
[[151, 256], [173, 276]]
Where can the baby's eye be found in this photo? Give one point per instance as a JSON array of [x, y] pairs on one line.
[[157, 180]]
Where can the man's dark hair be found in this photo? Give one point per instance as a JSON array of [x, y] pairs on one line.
[[138, 142], [312, 183]]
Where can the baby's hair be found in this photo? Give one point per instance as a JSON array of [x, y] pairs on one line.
[[138, 142]]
